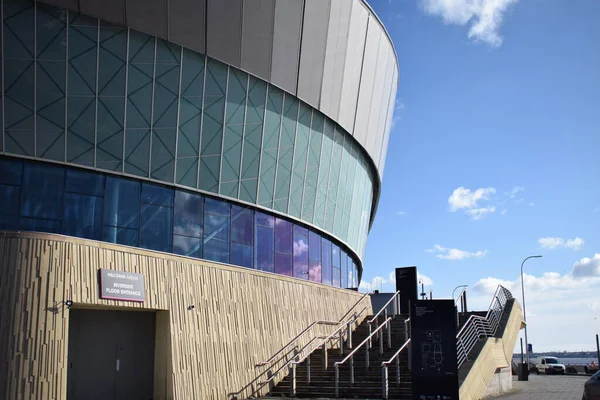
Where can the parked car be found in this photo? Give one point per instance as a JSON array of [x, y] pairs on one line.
[[591, 388], [549, 365]]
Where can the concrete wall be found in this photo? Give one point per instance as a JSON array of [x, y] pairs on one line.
[[241, 317], [496, 354]]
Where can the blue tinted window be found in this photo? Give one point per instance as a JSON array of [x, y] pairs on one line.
[[283, 236], [10, 171], [156, 227], [187, 246], [9, 200], [336, 278], [216, 250], [39, 225], [300, 252], [283, 264], [326, 272], [83, 216], [42, 191], [84, 182], [157, 195], [242, 225], [344, 272], [216, 207], [9, 222], [126, 236], [122, 203], [242, 255], [265, 219], [314, 270], [188, 214], [314, 246], [217, 227], [265, 249]]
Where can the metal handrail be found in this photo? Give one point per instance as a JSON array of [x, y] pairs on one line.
[[274, 359], [351, 355], [320, 322], [383, 309], [477, 326], [323, 344], [460, 295], [384, 370]]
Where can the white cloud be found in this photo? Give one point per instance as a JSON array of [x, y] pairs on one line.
[[519, 201], [444, 253], [587, 267], [463, 198], [554, 242], [469, 201], [478, 213], [503, 212], [399, 111], [561, 303], [427, 281], [513, 193], [531, 204], [484, 17], [402, 213]]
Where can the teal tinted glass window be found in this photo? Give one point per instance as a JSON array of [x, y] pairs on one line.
[[122, 203]]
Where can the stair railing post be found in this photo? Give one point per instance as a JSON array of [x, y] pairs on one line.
[[389, 334], [308, 369], [381, 341], [398, 371], [384, 382], [293, 380], [350, 336], [325, 356], [352, 370], [341, 341], [370, 337], [337, 381], [367, 356], [410, 356], [377, 327]]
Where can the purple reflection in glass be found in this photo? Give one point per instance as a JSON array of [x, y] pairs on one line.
[[264, 248], [265, 219], [300, 252], [283, 236], [283, 264], [336, 277], [314, 270], [326, 272], [241, 225], [314, 247]]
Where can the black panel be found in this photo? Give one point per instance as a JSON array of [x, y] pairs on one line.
[[433, 336], [406, 283]]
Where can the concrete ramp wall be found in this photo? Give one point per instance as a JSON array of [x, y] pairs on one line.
[[493, 360]]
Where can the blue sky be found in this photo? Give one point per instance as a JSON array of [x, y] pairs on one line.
[[494, 156]]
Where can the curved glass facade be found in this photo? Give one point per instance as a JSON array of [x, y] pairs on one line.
[[43, 197], [85, 92]]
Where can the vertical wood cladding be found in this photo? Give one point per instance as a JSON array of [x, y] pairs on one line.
[[240, 316]]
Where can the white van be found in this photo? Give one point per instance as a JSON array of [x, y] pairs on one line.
[[549, 365]]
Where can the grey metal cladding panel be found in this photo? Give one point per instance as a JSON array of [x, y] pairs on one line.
[[286, 43], [379, 98], [257, 37], [352, 65], [148, 16], [108, 10], [389, 124], [312, 51], [224, 23], [335, 57], [187, 24], [384, 110], [367, 79], [68, 4]]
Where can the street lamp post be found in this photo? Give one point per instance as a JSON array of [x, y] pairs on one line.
[[453, 299], [524, 313]]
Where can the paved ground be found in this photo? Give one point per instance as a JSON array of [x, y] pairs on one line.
[[561, 387]]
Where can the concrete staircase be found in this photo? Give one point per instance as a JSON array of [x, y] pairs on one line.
[[367, 381]]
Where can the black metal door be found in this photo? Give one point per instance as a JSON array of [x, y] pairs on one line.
[[111, 355]]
